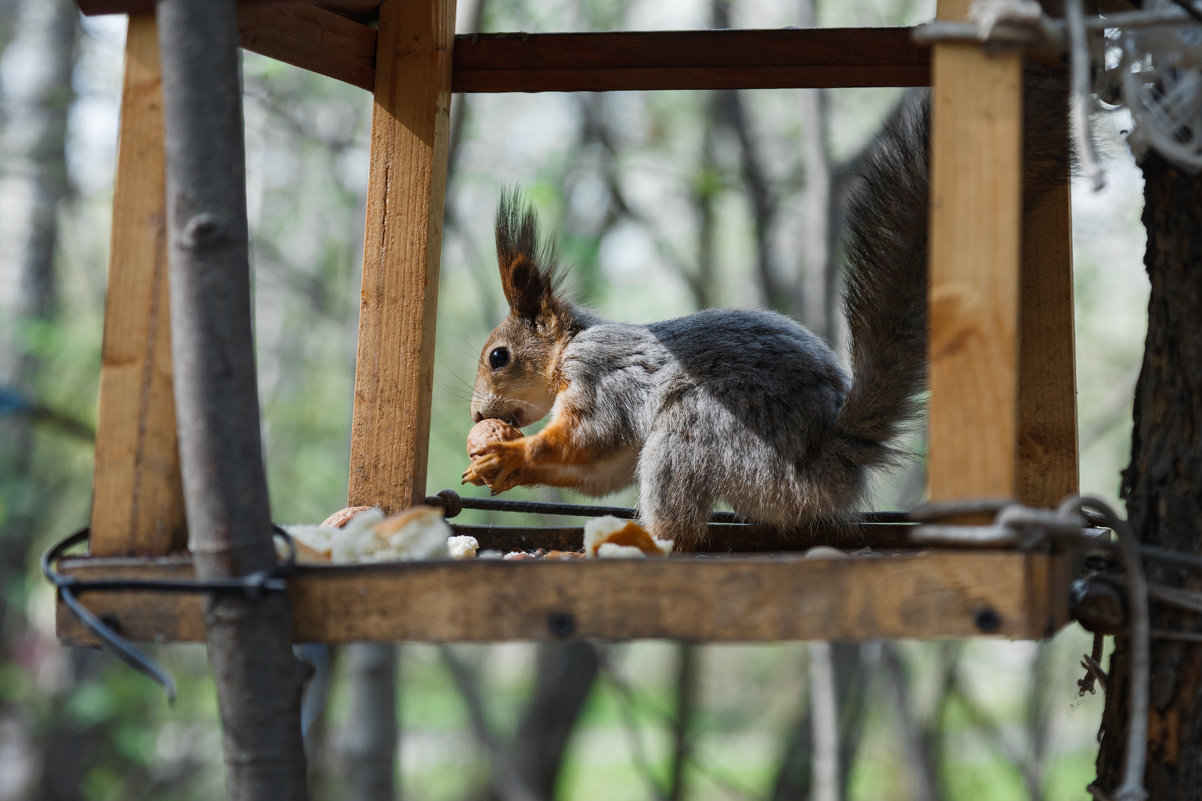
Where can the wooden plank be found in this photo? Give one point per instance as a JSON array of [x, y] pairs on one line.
[[1049, 582], [721, 538], [725, 59], [933, 594], [974, 269], [138, 506], [333, 45], [313, 39], [1047, 413], [394, 375], [358, 9]]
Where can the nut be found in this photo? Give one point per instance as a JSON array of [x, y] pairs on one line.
[[340, 519], [487, 432]]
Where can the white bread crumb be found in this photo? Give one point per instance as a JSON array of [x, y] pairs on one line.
[[415, 534], [824, 552], [600, 530], [463, 547], [608, 550]]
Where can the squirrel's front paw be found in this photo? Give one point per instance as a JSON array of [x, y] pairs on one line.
[[499, 466]]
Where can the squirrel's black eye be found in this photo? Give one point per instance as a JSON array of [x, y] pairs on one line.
[[498, 358]]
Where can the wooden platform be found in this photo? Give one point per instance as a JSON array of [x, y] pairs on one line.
[[898, 593]]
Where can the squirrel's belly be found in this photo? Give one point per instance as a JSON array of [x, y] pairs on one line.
[[610, 473]]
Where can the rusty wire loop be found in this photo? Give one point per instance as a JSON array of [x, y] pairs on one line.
[[1044, 32], [1024, 527], [253, 586]]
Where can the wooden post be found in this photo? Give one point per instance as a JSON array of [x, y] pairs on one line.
[[394, 375], [1047, 380], [974, 278], [138, 506]]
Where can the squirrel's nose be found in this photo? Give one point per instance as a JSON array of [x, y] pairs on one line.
[[477, 417]]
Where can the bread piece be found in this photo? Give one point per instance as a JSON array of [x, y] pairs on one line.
[[463, 546], [621, 538], [415, 534]]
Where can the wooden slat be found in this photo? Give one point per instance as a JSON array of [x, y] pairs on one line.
[[928, 595], [358, 9], [395, 369], [722, 538], [332, 45], [974, 269], [1050, 582], [311, 38], [1047, 415], [138, 506], [726, 59]]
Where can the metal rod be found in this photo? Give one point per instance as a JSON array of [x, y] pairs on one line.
[[452, 502]]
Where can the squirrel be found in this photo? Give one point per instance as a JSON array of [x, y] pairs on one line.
[[742, 406]]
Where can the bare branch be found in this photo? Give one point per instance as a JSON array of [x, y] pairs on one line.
[[507, 779], [686, 692], [225, 488]]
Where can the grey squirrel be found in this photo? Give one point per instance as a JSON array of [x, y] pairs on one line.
[[745, 407]]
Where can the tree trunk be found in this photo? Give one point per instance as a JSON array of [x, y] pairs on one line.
[[564, 677], [1163, 490], [371, 738], [34, 185], [34, 141], [225, 489]]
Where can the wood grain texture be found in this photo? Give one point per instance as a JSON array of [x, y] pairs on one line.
[[313, 39], [932, 594], [331, 44], [720, 538], [394, 373], [359, 9], [138, 506], [1047, 380], [974, 269], [726, 59]]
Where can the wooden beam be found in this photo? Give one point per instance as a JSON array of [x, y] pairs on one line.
[[333, 45], [137, 505], [390, 429], [1047, 405], [358, 9], [725, 59], [721, 538], [974, 268], [311, 38], [931, 594]]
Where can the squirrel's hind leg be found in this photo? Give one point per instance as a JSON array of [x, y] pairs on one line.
[[674, 495]]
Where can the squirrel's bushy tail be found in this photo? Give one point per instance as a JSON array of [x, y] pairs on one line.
[[885, 282]]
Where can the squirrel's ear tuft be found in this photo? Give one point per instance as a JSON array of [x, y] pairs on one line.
[[527, 268]]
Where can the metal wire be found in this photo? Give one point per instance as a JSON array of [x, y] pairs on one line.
[[452, 503], [1131, 788], [252, 586], [1014, 522]]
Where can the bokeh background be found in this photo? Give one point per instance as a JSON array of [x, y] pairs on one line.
[[661, 203]]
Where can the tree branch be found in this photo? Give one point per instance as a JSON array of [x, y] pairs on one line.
[[225, 489]]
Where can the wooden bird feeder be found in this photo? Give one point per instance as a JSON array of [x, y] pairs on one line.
[[1002, 418]]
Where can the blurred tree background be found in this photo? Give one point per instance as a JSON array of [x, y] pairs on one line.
[[661, 203]]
